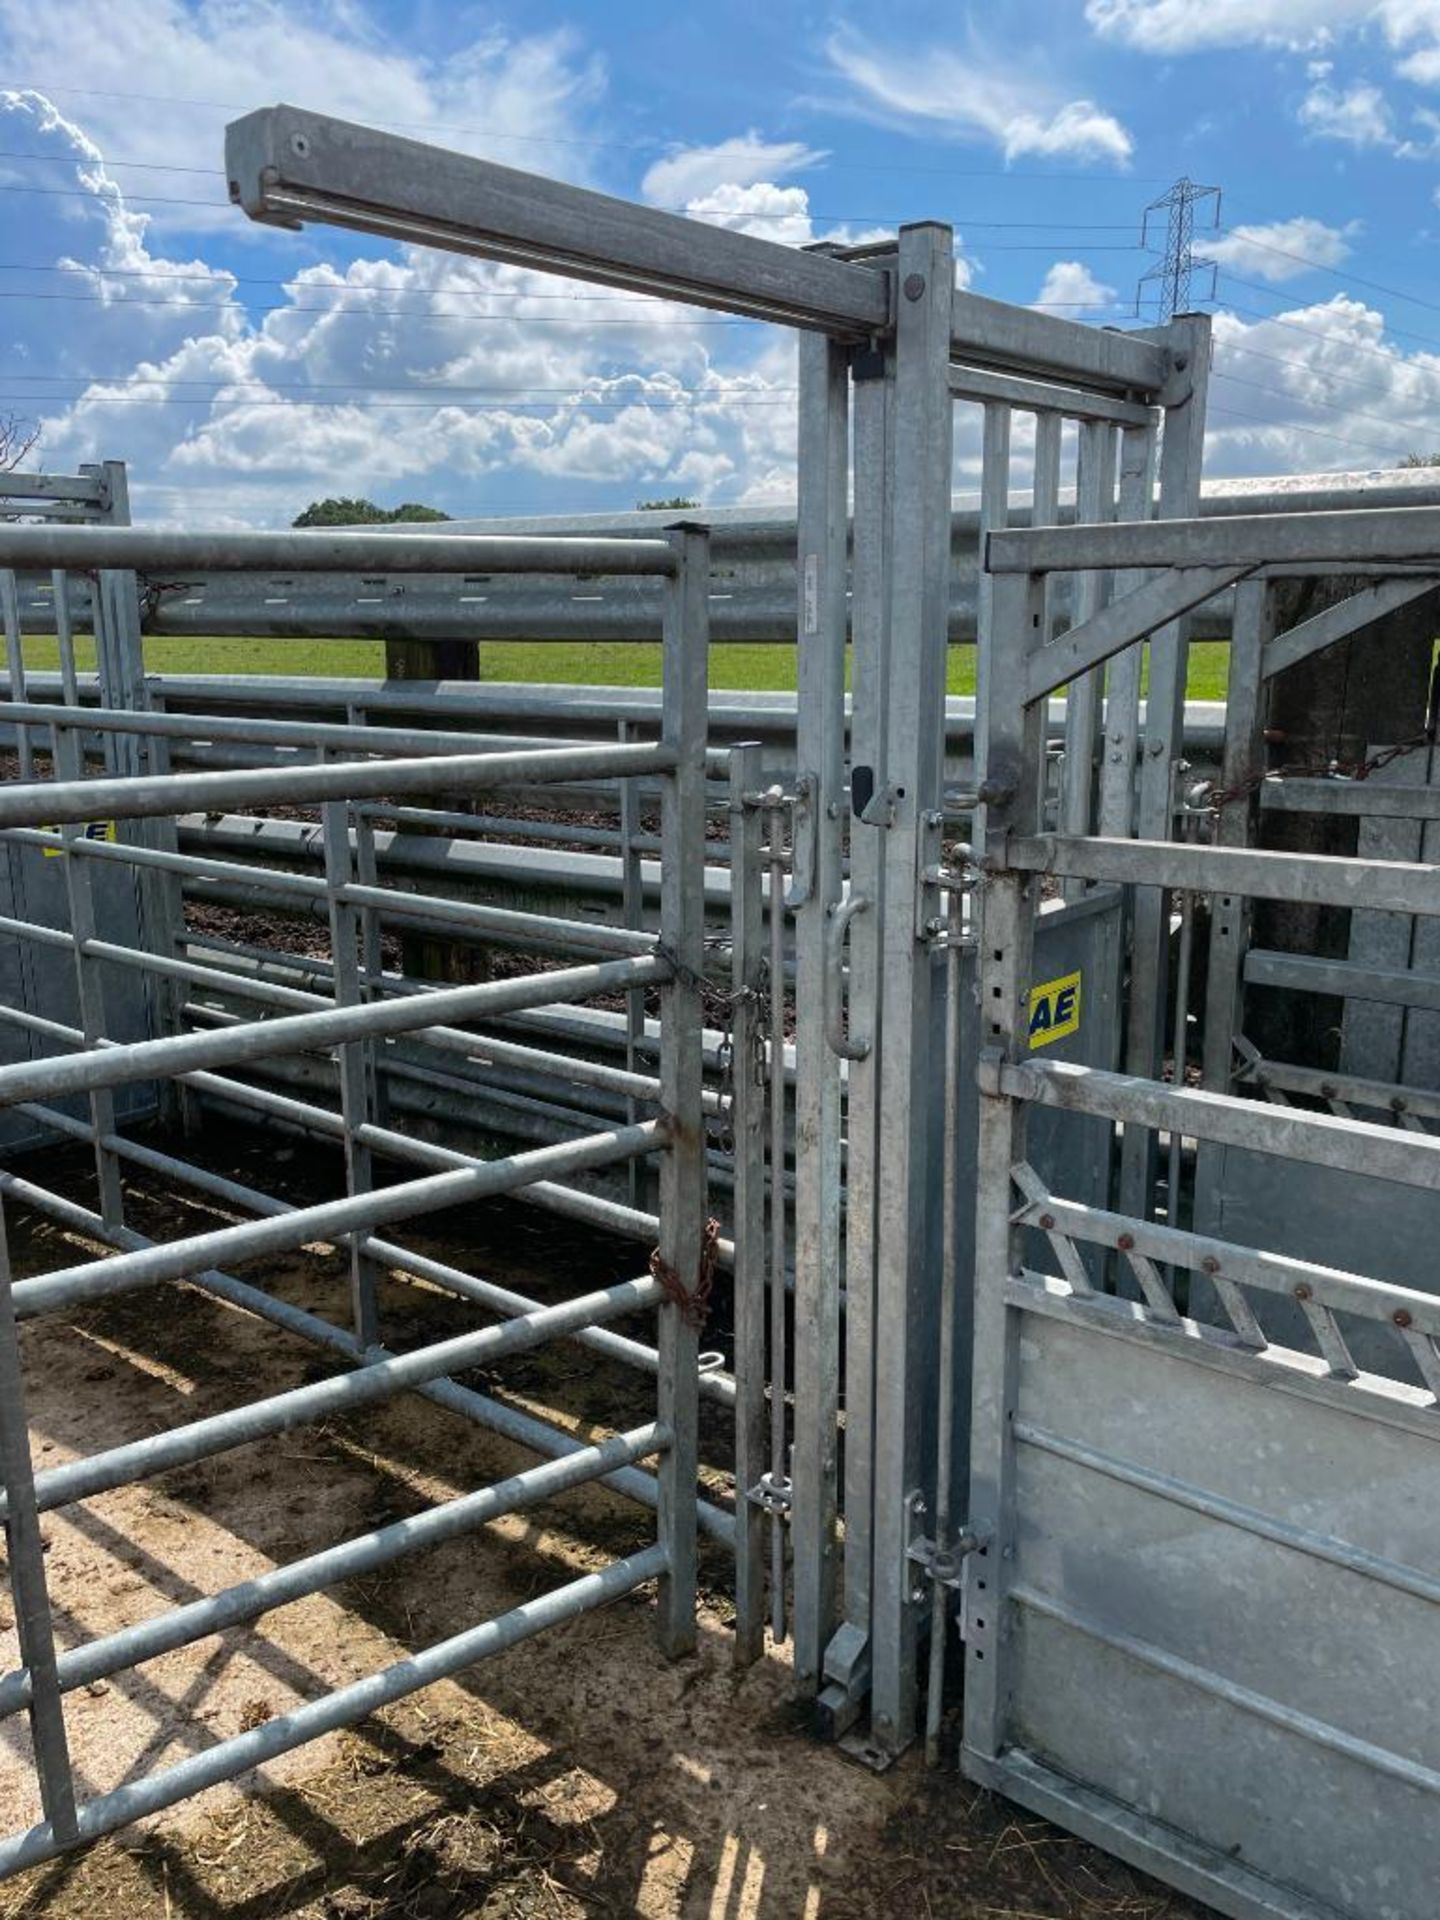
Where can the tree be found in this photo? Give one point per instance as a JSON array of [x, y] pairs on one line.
[[18, 437], [348, 512], [1421, 460], [677, 505]]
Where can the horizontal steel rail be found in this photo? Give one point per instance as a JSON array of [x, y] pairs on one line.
[[1038, 396], [297, 1033], [162, 550], [69, 1286], [995, 333], [286, 165], [98, 1659], [320, 1400], [74, 802], [342, 1708], [1350, 799], [1315, 879], [1385, 1095], [1320, 1139], [496, 1416], [1356, 542], [1307, 973]]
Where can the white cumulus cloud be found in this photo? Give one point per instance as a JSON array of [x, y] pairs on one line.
[[1359, 115], [744, 161], [1071, 288], [1278, 250]]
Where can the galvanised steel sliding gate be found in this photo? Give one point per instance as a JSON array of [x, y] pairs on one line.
[[1202, 1578], [57, 815]]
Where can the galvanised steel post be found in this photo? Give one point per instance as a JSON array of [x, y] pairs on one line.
[[747, 1133], [28, 1587], [1122, 687], [1187, 342], [907, 1264], [355, 1061], [681, 1251], [816, 887], [1005, 904], [847, 1657]]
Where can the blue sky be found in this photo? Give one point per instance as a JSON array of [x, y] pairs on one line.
[[242, 372]]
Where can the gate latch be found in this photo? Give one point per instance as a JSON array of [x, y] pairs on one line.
[[944, 1564]]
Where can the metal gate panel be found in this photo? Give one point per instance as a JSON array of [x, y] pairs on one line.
[[1224, 1589], [1201, 1569]]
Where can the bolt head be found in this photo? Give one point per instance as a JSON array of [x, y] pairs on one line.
[[1125, 1242], [914, 285], [1210, 1264], [1402, 1317], [300, 145], [1302, 1292]]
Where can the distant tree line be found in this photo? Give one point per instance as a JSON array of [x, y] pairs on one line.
[[363, 513]]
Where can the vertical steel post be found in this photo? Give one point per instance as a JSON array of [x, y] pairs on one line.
[[747, 1133], [847, 1658], [64, 636], [779, 1475], [1187, 340], [89, 985], [1252, 625], [356, 1063], [682, 1167], [994, 514], [1122, 693], [1015, 744], [1094, 501], [906, 1263], [822, 509], [632, 906], [28, 1589], [15, 665], [1045, 512]]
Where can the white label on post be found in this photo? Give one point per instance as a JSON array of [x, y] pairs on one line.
[[812, 593]]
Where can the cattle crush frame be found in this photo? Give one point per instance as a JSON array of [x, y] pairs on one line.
[[1028, 1393]]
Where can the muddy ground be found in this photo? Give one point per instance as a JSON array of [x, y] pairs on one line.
[[577, 1775]]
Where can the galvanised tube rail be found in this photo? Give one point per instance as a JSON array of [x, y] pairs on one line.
[[483, 1052], [1319, 1139], [391, 1145], [342, 1708], [74, 802], [1359, 541], [115, 1652], [1313, 879], [69, 1286], [507, 925], [496, 1416], [158, 550], [304, 1406], [398, 741], [298, 1033]]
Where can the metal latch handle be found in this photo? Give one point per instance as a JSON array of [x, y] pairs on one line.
[[847, 1046]]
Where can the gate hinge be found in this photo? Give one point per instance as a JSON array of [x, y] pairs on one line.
[[943, 1564], [772, 1493]]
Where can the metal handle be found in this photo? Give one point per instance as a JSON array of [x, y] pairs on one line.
[[804, 848], [841, 1043]]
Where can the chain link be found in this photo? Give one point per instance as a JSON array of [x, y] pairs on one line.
[[694, 1303], [719, 1005]]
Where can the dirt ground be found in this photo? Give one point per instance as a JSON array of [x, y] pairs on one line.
[[577, 1775]]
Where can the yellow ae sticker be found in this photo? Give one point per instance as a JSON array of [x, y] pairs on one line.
[[91, 830], [1054, 1010]]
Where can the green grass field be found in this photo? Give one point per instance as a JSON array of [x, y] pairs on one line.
[[743, 668]]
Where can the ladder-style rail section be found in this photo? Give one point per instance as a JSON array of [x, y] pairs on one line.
[[1358, 541]]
